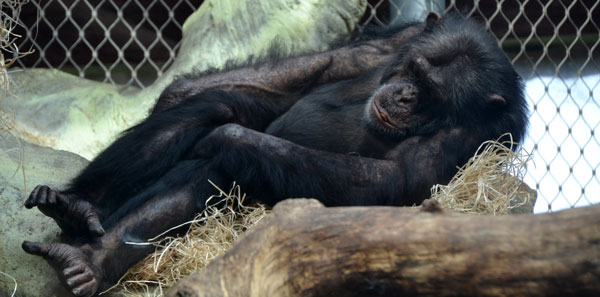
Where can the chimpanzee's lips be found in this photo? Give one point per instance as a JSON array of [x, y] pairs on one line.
[[382, 116]]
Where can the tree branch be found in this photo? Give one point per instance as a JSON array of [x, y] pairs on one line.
[[305, 249]]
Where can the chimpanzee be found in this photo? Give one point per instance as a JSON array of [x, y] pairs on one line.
[[375, 122]]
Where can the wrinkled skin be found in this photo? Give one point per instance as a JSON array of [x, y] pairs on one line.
[[376, 122]]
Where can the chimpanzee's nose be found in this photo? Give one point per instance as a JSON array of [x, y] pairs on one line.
[[405, 93]]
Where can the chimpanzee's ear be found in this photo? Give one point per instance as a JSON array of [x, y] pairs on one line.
[[496, 100], [433, 18]]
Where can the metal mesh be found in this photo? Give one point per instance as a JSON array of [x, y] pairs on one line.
[[553, 45], [121, 42]]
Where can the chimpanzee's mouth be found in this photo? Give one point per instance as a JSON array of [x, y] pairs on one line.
[[382, 116]]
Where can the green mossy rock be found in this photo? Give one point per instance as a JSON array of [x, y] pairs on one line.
[[54, 109]]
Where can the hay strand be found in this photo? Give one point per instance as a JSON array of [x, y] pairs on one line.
[[16, 285]]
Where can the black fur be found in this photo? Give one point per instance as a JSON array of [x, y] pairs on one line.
[[326, 122], [383, 136]]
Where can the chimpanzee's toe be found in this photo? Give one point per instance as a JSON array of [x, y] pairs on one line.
[[74, 216], [80, 278]]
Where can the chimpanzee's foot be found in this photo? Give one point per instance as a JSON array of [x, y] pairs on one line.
[[73, 266], [73, 216]]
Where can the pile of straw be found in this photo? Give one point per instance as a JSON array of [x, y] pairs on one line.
[[490, 182], [211, 234]]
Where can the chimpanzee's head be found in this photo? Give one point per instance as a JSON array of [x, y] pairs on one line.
[[452, 74]]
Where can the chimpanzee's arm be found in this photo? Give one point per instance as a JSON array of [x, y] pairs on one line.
[[281, 81], [272, 169]]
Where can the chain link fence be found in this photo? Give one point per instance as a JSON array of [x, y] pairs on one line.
[[552, 43], [129, 42]]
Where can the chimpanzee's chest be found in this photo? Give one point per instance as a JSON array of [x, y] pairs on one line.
[[327, 126]]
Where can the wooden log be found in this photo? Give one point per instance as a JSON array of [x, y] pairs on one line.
[[305, 249]]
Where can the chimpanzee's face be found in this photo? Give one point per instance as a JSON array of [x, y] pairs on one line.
[[435, 78]]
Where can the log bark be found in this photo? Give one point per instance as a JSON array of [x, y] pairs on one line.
[[305, 249]]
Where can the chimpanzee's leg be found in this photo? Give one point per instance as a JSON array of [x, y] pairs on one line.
[[97, 264], [142, 156], [228, 153], [267, 167]]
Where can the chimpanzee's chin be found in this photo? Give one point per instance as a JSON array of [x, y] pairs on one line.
[[381, 130]]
